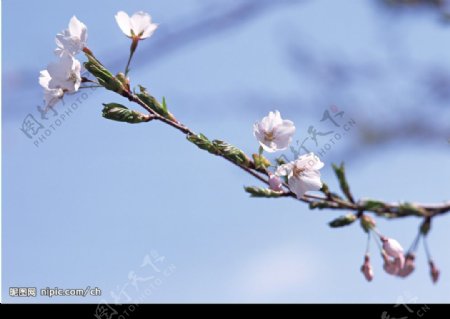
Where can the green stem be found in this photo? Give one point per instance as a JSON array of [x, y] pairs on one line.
[[388, 210], [90, 87], [133, 47]]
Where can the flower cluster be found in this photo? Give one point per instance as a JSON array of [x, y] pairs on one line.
[[395, 261], [64, 75], [275, 134]]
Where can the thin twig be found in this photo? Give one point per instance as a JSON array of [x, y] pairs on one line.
[[389, 210]]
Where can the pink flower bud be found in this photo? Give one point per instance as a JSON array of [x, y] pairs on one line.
[[434, 272], [392, 247], [408, 267], [366, 268], [275, 183], [392, 267]]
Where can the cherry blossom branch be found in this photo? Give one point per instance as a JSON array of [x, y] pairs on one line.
[[256, 167], [388, 210], [294, 179]]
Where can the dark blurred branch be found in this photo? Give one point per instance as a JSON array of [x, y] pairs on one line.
[[409, 129], [335, 74], [209, 26], [199, 28], [442, 7]]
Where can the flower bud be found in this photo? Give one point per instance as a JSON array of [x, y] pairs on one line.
[[367, 223], [408, 267], [366, 268], [434, 272], [275, 183]]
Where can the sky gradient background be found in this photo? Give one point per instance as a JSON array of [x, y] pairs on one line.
[[88, 204]]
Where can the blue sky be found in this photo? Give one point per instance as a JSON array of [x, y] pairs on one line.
[[88, 204]]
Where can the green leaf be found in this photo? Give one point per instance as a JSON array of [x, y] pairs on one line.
[[221, 148], [373, 205], [340, 174], [164, 104], [262, 192], [120, 113], [153, 103], [261, 162], [231, 152], [343, 220], [202, 142], [104, 77]]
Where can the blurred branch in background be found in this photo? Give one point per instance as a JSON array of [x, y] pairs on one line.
[[441, 6], [206, 25], [336, 79], [417, 121]]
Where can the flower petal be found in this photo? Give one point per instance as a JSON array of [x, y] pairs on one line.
[[44, 79], [77, 28], [52, 96], [140, 21], [284, 170], [311, 180], [297, 186], [392, 248], [149, 30], [310, 161], [123, 20]]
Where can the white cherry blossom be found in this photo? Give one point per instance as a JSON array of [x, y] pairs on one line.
[[59, 78], [139, 25], [303, 174], [274, 133], [65, 74], [51, 96], [73, 39]]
